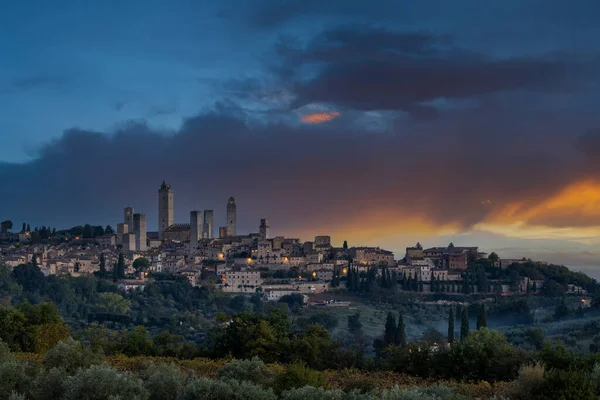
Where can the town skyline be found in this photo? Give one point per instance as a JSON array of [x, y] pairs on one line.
[[221, 222]]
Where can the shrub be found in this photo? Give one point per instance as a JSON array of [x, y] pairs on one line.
[[71, 355], [99, 382], [253, 370], [529, 382], [297, 375], [5, 353], [567, 385], [311, 393], [165, 382], [431, 393], [49, 385], [13, 378], [206, 389]]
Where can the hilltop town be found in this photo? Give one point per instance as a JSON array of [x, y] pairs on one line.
[[254, 262]]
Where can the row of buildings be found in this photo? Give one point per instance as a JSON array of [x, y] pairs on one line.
[[238, 263]]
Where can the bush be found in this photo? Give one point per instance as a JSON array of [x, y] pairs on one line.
[[311, 393], [99, 382], [529, 382], [253, 370], [206, 389], [568, 385], [430, 393], [71, 355], [49, 385], [165, 382], [5, 353], [296, 376], [13, 378]]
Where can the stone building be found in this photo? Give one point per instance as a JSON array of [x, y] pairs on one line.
[[139, 229], [166, 209], [129, 242], [122, 229], [128, 219], [231, 217], [177, 233], [195, 229], [209, 223], [264, 229]]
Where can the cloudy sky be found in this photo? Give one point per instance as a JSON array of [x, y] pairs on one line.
[[379, 122]]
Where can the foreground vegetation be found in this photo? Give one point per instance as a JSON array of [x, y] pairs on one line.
[[73, 371]]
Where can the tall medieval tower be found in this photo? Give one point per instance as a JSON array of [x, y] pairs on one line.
[[231, 217], [165, 209]]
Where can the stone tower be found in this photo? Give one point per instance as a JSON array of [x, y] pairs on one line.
[[264, 229], [231, 217], [139, 229], [166, 209], [128, 218], [209, 223], [195, 229]]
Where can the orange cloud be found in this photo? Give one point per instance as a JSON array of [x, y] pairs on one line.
[[320, 117], [572, 212]]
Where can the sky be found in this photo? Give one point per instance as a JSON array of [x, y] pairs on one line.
[[384, 122]]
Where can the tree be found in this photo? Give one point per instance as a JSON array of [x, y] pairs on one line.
[[401, 331], [464, 323], [102, 266], [295, 301], [354, 324], [28, 228], [33, 261], [451, 326], [561, 309], [121, 266], [46, 336], [345, 245], [109, 230], [112, 303], [29, 276], [6, 226], [24, 228], [534, 287], [389, 337], [98, 231], [88, 231], [141, 264], [481, 318], [493, 256]]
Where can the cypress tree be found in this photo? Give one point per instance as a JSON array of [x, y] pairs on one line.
[[389, 337], [534, 287], [356, 277], [464, 323], [451, 325], [388, 277], [24, 228], [121, 266], [349, 280], [102, 266], [481, 319], [34, 261], [384, 283], [28, 228], [401, 331]]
